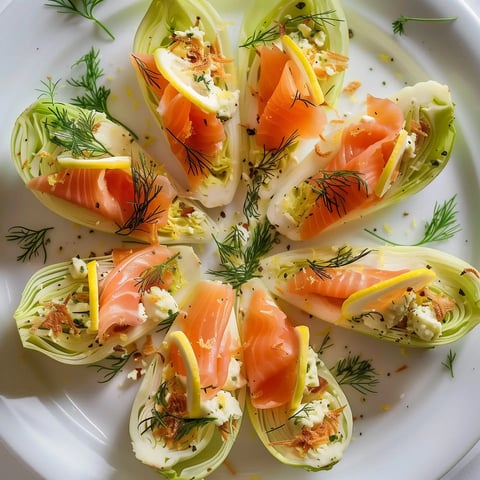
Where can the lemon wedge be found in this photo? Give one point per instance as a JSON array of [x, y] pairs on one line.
[[195, 85], [92, 276], [303, 335], [296, 54], [179, 339], [380, 295], [389, 171], [122, 162]]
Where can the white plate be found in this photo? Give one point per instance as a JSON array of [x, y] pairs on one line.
[[63, 424]]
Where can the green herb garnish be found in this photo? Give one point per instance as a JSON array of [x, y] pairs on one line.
[[117, 363], [84, 8], [95, 96], [31, 241], [240, 256], [441, 227], [357, 373], [448, 363], [398, 25], [154, 274]]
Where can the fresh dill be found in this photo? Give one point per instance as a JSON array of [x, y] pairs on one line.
[[357, 373], [95, 96], [441, 227], [75, 135], [449, 361], [272, 33], [302, 413], [343, 258], [298, 98], [49, 89], [145, 191], [263, 172], [31, 241], [152, 78], [398, 25], [155, 274], [198, 161], [333, 188], [84, 8], [166, 323], [162, 417], [241, 251], [325, 345], [115, 366]]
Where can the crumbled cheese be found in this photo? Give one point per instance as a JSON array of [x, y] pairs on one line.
[[310, 414], [158, 304], [235, 377], [423, 322], [78, 268], [223, 406], [312, 379], [192, 32]]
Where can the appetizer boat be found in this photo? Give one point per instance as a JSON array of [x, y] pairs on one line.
[[188, 410], [297, 408], [292, 57], [82, 311], [414, 296], [396, 149], [187, 77], [89, 170]]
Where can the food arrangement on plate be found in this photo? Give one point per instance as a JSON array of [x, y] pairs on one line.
[[253, 122]]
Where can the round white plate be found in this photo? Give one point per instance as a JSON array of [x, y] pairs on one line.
[[61, 423]]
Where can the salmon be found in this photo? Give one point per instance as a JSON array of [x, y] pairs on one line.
[[144, 64], [289, 110], [365, 149], [205, 323], [338, 282], [119, 294], [270, 349], [108, 192], [191, 132]]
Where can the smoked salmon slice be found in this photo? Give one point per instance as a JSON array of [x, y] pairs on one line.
[[339, 282], [205, 323], [108, 192], [119, 291], [270, 349], [365, 149], [289, 110]]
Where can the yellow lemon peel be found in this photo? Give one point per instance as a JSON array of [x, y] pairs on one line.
[[303, 335], [122, 162], [93, 297]]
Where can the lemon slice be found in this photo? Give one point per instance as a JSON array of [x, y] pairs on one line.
[[196, 86], [179, 339], [297, 55], [92, 276], [303, 335], [387, 176], [123, 162], [380, 295]]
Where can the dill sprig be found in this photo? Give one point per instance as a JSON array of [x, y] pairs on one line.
[[273, 32], [49, 89], [263, 172], [154, 274], [95, 96], [398, 25], [31, 241], [198, 161], [84, 8], [151, 77], [115, 366], [145, 191], [441, 227], [343, 257], [325, 345], [449, 361], [332, 188], [357, 373], [240, 256], [162, 417], [75, 135]]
